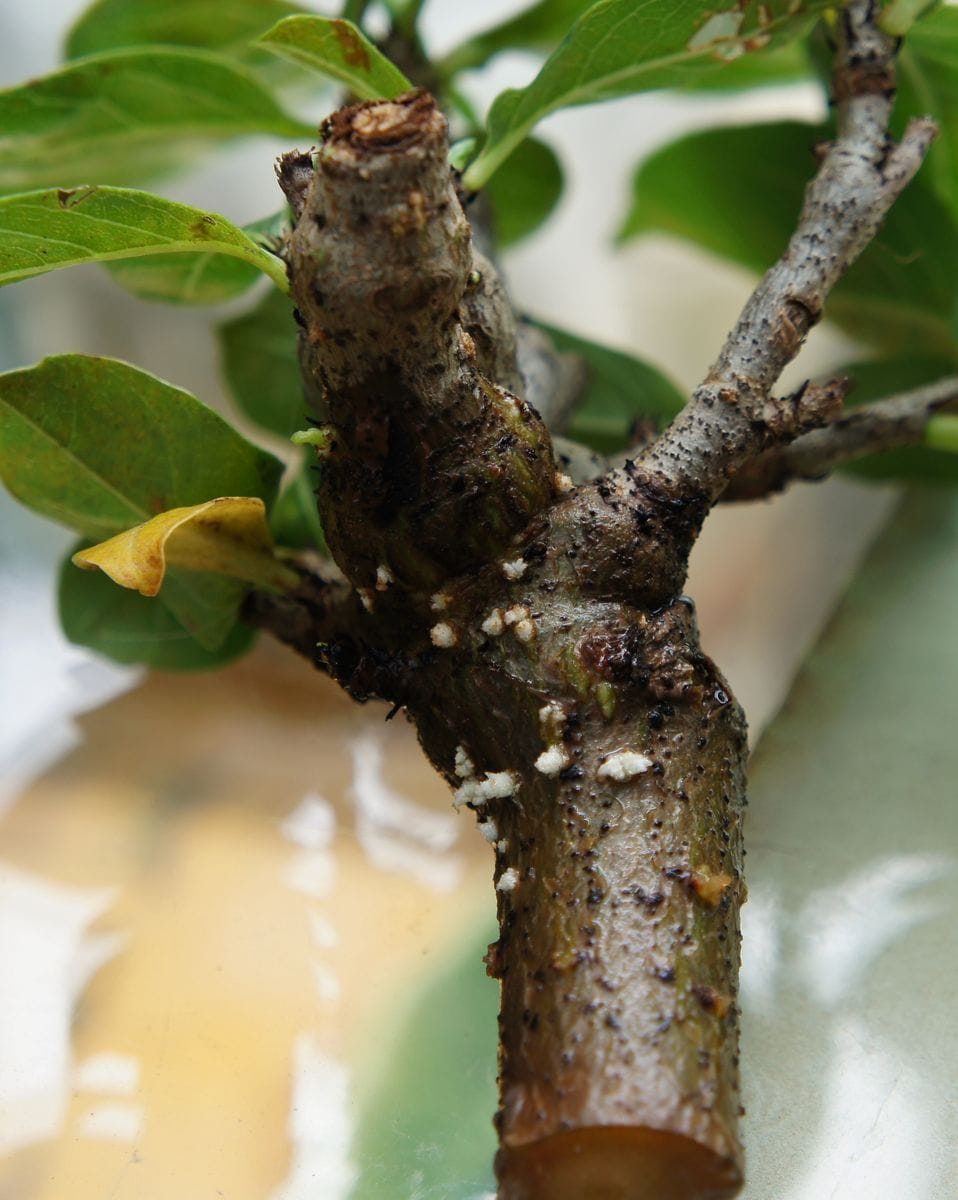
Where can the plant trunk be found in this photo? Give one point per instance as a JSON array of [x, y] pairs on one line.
[[536, 634]]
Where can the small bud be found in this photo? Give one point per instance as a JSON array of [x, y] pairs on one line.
[[320, 437]]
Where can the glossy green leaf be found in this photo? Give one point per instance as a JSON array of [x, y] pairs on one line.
[[623, 46], [887, 377], [270, 231], [525, 191], [461, 152], [197, 278], [129, 628], [428, 1117], [899, 16], [543, 26], [41, 231], [928, 85], [539, 28], [184, 278], [295, 519], [853, 891], [121, 116], [621, 390], [225, 25], [772, 68], [100, 446], [738, 193], [259, 359], [337, 50]]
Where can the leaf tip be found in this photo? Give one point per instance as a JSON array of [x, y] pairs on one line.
[[80, 559]]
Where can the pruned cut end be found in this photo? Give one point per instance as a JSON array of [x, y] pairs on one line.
[[616, 1163], [386, 124]]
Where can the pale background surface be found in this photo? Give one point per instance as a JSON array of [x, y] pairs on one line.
[[212, 887]]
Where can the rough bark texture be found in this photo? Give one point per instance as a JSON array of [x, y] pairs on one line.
[[885, 425], [537, 634]]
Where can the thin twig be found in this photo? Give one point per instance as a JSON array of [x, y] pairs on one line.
[[323, 608], [885, 425]]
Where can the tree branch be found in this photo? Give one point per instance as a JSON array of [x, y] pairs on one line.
[[536, 634], [408, 348], [730, 417], [554, 678], [322, 609], [552, 381], [885, 425]]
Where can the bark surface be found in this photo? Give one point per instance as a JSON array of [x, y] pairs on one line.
[[536, 632], [537, 636]]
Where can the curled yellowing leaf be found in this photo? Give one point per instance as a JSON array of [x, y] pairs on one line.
[[228, 535]]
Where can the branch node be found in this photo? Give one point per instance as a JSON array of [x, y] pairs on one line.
[[809, 407]]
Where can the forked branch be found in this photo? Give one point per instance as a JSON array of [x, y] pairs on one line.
[[731, 416]]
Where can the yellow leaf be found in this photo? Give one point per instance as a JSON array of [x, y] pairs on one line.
[[229, 536]]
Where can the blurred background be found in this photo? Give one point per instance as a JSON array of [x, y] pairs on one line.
[[240, 923]]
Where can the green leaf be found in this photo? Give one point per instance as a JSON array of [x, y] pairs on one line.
[[623, 46], [129, 628], [271, 231], [225, 25], [461, 152], [184, 278], [928, 85], [427, 1119], [621, 390], [121, 116], [207, 606], [295, 519], [887, 377], [525, 191], [100, 446], [337, 50], [197, 278], [539, 28], [259, 359], [852, 827], [785, 64], [898, 16], [941, 433], [543, 26], [738, 193], [41, 231]]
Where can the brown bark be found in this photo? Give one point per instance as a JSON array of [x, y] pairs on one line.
[[537, 635], [619, 950], [885, 425]]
